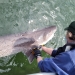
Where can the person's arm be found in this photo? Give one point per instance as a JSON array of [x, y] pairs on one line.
[[53, 52], [39, 58], [37, 53], [47, 50]]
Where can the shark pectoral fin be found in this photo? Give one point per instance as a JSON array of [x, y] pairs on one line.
[[31, 58], [29, 55]]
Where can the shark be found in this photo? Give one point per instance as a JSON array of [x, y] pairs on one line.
[[23, 42]]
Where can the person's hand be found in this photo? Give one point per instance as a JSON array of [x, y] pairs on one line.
[[36, 46], [35, 51]]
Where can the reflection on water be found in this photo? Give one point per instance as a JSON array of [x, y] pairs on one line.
[[27, 15]]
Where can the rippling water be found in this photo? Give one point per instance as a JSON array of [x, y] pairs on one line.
[[26, 15]]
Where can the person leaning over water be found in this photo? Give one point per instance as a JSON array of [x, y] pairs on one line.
[[62, 61]]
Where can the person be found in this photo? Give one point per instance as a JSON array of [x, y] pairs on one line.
[[62, 60]]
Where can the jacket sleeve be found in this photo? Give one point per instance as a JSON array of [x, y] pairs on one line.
[[55, 65], [59, 50], [45, 65]]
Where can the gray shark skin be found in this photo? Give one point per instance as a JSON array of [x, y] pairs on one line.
[[15, 43]]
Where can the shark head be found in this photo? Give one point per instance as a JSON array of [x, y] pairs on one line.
[[49, 34], [44, 35]]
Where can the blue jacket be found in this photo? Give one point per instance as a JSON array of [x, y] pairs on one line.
[[62, 62]]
